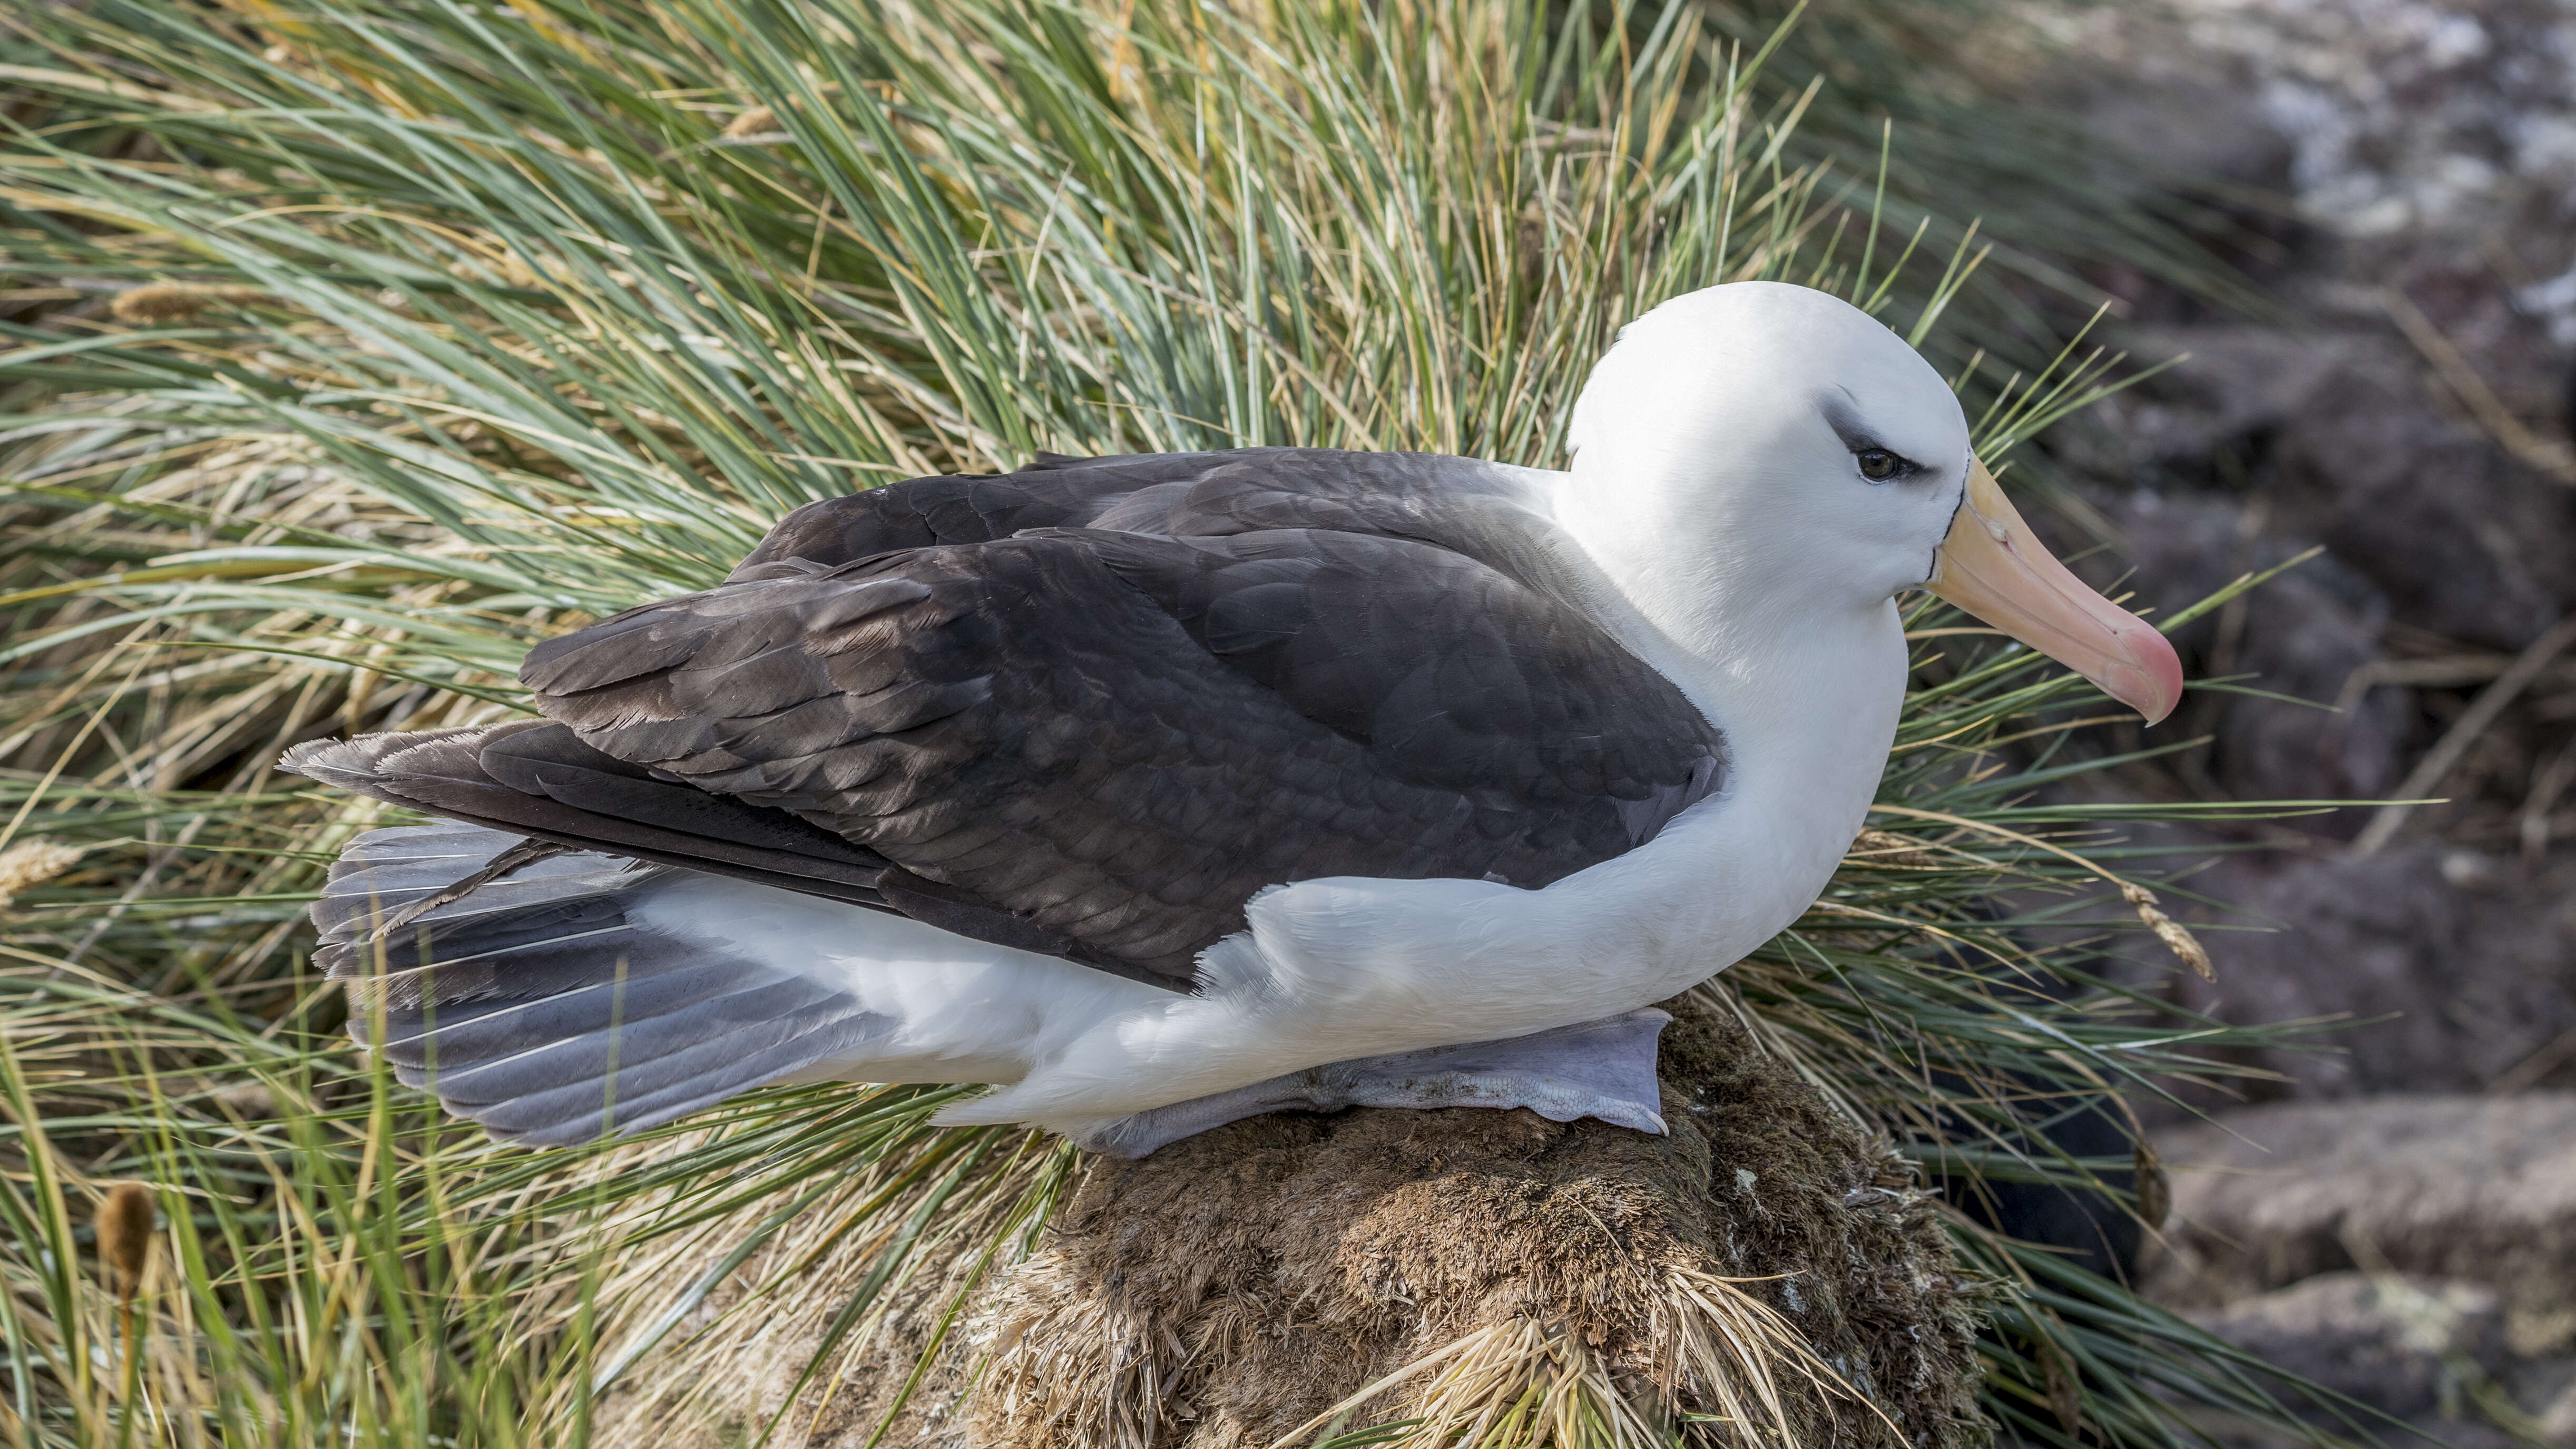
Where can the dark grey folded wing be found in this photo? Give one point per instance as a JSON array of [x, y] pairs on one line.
[[536, 779], [1107, 701], [1053, 492], [539, 1006]]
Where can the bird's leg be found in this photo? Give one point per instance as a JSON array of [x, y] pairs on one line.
[[1603, 1069]]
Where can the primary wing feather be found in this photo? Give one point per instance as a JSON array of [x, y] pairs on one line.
[[543, 1005]]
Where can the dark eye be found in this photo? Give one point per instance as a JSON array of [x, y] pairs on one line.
[[1878, 465]]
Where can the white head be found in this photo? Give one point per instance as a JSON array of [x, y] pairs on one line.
[[1759, 457]]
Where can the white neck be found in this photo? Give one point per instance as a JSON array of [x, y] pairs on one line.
[[1804, 683], [1786, 662]]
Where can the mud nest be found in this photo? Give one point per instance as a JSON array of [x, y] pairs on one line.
[[1765, 1262]]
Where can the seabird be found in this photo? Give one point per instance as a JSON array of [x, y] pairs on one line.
[[1158, 791]]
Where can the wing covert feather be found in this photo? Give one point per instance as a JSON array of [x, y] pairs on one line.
[[1277, 665]]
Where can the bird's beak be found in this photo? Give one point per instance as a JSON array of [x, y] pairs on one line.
[[1994, 567]]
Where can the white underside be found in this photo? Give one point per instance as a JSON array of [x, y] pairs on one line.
[[1342, 968]]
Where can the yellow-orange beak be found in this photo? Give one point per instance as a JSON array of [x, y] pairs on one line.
[[1994, 567]]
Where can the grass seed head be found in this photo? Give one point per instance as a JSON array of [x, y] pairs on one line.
[[124, 1225], [2065, 1398], [2177, 938], [2155, 1189]]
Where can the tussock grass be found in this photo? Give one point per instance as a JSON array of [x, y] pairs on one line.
[[358, 345], [1515, 1384]]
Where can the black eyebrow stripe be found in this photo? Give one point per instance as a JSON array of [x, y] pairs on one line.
[[1839, 417]]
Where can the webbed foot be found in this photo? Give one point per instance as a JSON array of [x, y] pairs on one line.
[[1603, 1069]]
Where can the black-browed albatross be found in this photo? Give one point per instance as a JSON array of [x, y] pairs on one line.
[[1158, 791]]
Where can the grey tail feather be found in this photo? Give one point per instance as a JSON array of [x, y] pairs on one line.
[[538, 1006]]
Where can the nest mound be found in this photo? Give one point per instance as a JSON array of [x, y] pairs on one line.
[[1766, 1262]]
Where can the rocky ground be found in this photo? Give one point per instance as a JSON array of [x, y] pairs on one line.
[[2395, 1217]]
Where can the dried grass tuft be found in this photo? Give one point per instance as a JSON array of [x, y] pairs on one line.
[[1887, 848], [759, 120], [816, 1332], [1523, 1383], [158, 302], [1510, 1384], [2154, 1186], [32, 863]]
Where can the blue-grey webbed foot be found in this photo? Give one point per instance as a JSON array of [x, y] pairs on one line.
[[1603, 1069]]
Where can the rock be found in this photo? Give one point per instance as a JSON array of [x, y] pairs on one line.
[[2546, 1392], [2471, 1188], [2427, 142], [2461, 1430], [2302, 634], [2401, 118], [2341, 439], [2227, 386], [2432, 1430], [2462, 539], [2173, 108], [2437, 989], [2397, 1343], [2412, 114], [2558, 1420]]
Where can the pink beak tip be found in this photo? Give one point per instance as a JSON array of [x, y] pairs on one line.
[[2155, 658]]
